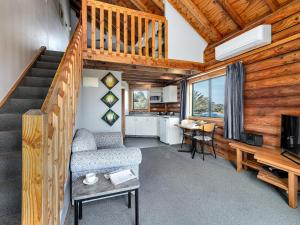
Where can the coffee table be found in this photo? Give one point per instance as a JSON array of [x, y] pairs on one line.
[[101, 190]]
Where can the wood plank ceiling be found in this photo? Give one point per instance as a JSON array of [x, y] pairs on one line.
[[214, 20]]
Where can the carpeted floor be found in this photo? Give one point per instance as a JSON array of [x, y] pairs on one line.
[[178, 190]]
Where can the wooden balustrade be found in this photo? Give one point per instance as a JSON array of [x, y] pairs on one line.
[[47, 136], [112, 30]]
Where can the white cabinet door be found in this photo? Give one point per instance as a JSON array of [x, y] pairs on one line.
[[163, 130], [130, 125], [170, 93]]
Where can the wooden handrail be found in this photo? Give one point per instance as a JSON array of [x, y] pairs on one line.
[[47, 136], [144, 34]]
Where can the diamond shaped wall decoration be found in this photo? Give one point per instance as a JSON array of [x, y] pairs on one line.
[[110, 117], [109, 99], [109, 80]]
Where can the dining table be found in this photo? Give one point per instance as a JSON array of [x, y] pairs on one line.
[[193, 127]]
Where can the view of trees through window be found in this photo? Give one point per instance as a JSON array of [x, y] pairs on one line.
[[140, 99], [208, 98]]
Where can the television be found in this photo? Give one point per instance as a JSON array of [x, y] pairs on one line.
[[290, 137]]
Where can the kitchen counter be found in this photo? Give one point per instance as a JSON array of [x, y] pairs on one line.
[[149, 115]]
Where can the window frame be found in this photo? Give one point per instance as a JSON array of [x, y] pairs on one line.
[[132, 100], [191, 102]]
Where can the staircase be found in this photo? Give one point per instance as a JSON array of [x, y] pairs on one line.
[[30, 94]]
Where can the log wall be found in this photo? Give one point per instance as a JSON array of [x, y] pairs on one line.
[[272, 86]]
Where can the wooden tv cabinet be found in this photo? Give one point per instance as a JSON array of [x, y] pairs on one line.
[[270, 157]]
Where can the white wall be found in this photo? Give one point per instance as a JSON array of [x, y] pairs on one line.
[[184, 42], [26, 25], [92, 108]]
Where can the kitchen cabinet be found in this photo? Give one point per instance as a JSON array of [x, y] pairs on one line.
[[170, 94], [141, 126]]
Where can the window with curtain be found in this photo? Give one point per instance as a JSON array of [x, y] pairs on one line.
[[140, 100], [208, 98]]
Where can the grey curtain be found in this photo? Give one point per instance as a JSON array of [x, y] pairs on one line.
[[234, 101], [183, 92]]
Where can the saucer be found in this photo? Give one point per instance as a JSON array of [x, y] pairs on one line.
[[91, 183]]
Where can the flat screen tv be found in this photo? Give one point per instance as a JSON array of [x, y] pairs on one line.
[[290, 137]]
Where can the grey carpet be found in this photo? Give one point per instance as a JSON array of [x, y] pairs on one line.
[[177, 190]]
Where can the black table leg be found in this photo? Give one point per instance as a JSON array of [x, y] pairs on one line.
[[137, 207], [75, 213], [80, 210], [129, 200]]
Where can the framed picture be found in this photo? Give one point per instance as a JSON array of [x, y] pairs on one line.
[[109, 99], [109, 80], [110, 117]]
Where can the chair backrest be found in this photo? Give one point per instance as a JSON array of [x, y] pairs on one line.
[[187, 122], [209, 128]]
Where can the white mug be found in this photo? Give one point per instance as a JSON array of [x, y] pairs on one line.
[[90, 177]]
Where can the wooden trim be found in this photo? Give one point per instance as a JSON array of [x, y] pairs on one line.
[[25, 71]]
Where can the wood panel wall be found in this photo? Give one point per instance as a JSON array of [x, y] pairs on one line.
[[272, 85]]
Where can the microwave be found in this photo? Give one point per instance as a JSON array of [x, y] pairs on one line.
[[155, 99]]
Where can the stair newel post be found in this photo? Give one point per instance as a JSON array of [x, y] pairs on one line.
[[34, 168]]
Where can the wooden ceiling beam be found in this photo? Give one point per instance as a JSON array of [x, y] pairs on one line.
[[159, 4], [140, 5], [235, 17], [121, 67], [201, 18], [273, 4]]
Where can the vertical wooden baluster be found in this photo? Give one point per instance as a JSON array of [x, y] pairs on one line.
[[84, 24], [159, 39], [102, 27], [125, 33], [62, 141], [132, 35], [55, 149], [147, 37], [110, 31], [140, 35], [166, 40], [118, 31], [50, 170], [93, 30], [153, 39]]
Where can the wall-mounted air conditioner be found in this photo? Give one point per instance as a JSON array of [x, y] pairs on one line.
[[252, 39]]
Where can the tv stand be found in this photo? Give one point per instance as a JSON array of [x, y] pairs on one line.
[[255, 157]]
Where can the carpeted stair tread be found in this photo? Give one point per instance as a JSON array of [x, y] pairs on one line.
[[46, 65], [19, 105], [50, 58], [53, 53], [10, 195], [42, 72], [10, 164], [30, 92], [31, 81], [11, 139], [10, 121]]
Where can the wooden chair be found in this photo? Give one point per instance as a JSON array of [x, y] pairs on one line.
[[207, 137], [186, 134]]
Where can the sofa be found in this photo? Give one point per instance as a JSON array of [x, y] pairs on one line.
[[101, 153]]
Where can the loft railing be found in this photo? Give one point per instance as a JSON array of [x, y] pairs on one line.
[[47, 137], [110, 30]]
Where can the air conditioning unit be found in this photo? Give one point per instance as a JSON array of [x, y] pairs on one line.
[[252, 39]]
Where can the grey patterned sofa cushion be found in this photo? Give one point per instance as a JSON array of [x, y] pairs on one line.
[[109, 140], [106, 158], [84, 140]]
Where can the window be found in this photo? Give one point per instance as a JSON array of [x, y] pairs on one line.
[[208, 98], [140, 100]]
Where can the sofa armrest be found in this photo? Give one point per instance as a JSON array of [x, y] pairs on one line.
[[109, 139]]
